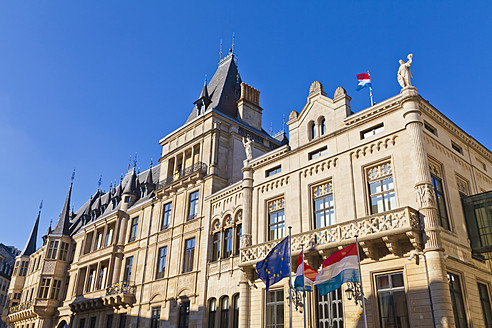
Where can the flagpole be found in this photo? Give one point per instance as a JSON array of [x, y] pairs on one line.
[[370, 91], [360, 278], [303, 286], [290, 278]]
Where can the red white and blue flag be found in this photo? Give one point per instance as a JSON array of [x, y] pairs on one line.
[[306, 272], [364, 81], [341, 267]]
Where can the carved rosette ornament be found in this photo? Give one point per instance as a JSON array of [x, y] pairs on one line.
[[426, 197]]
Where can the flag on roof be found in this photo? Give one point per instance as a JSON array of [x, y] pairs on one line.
[[341, 267], [308, 273], [276, 264], [364, 81]]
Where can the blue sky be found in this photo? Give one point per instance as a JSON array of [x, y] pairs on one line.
[[87, 84]]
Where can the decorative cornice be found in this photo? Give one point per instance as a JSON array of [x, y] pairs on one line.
[[437, 145], [375, 146], [274, 184], [319, 167]]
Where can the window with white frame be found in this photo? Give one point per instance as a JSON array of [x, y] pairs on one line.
[[276, 219], [166, 215], [381, 188], [324, 212], [275, 308]]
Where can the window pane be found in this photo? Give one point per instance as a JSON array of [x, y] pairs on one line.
[[375, 187], [318, 204], [397, 280], [389, 201], [377, 204], [388, 184]]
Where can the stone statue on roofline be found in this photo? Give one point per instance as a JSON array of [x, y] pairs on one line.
[[248, 148], [404, 74]]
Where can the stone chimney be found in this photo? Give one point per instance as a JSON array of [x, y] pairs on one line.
[[248, 105]]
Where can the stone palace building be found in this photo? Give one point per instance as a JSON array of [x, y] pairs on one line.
[[176, 245]]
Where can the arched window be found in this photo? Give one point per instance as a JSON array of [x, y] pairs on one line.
[[216, 246], [227, 242], [224, 312], [226, 236], [312, 127], [212, 310], [322, 126], [235, 314]]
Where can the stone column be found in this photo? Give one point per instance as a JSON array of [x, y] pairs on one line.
[[244, 288], [244, 299], [433, 251], [118, 257]]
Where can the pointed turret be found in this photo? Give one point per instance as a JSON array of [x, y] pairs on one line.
[[31, 242], [63, 224], [131, 185], [223, 89], [204, 100]]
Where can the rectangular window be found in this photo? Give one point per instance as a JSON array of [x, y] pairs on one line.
[[372, 131], [318, 153], [381, 188], [457, 148], [109, 237], [99, 237], [44, 288], [239, 229], [275, 309], [482, 164], [63, 251], [430, 128], [216, 246], [93, 322], [324, 212], [90, 282], [228, 242], [102, 277], [133, 229], [122, 321], [193, 205], [273, 171], [392, 300], [82, 323], [276, 219], [156, 316], [23, 268], [189, 255], [128, 269], [441, 202], [184, 315], [52, 249], [166, 215], [485, 301], [109, 321], [457, 301], [55, 289], [161, 262], [330, 309]]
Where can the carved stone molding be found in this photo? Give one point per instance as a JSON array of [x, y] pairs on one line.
[[374, 147], [426, 197], [246, 240], [274, 184], [394, 244], [319, 167]]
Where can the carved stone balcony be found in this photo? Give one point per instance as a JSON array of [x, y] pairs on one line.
[[392, 230], [189, 174], [121, 294]]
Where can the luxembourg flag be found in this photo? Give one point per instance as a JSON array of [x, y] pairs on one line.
[[309, 275], [364, 81], [341, 267]]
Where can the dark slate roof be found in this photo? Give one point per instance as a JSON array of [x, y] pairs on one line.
[[6, 252], [224, 89], [63, 225], [31, 242], [77, 223]]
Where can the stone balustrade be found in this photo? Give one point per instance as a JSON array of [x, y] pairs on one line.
[[21, 307], [389, 228]]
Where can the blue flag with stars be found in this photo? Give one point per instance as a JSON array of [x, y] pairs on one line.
[[275, 266]]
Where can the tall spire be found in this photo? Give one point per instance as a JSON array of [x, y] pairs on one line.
[[31, 243], [63, 224]]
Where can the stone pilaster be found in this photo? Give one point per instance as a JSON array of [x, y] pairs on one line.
[[433, 251], [247, 204], [244, 299]]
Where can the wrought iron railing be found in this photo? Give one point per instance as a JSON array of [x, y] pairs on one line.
[[21, 307], [376, 226], [197, 167], [121, 288]]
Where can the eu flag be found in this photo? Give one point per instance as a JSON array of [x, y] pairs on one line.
[[275, 266]]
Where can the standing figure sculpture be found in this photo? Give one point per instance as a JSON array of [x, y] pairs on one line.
[[404, 74], [248, 145]]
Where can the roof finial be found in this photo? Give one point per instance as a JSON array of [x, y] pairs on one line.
[[121, 176], [283, 123], [220, 51], [99, 182], [129, 162], [151, 162], [40, 206], [51, 221], [73, 176], [271, 128], [135, 161], [232, 47], [205, 83]]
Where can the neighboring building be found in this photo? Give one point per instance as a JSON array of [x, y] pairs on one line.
[[176, 245], [7, 259]]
